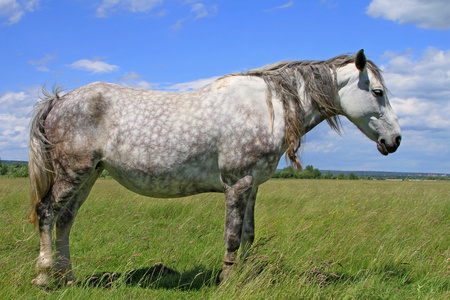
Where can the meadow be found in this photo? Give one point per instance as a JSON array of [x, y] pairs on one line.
[[315, 239]]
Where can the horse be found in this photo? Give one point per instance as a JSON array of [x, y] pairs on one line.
[[226, 137]]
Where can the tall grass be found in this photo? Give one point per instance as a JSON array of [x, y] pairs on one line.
[[315, 240]]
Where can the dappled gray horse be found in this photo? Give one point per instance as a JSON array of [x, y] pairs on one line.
[[225, 137]]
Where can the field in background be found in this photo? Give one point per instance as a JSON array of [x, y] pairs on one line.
[[316, 239]]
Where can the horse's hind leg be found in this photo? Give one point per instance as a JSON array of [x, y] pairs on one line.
[[66, 191], [66, 217], [59, 195], [44, 262]]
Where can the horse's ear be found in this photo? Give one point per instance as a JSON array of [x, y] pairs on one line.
[[361, 60]]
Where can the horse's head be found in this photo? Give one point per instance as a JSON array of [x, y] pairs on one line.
[[363, 100]]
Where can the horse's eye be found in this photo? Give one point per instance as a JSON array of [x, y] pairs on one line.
[[377, 92]]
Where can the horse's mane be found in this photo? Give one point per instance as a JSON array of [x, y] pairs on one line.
[[285, 79]]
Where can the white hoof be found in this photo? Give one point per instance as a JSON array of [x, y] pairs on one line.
[[41, 280]]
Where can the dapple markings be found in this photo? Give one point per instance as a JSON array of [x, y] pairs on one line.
[[225, 137]]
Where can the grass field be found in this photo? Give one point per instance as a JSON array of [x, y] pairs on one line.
[[316, 239]]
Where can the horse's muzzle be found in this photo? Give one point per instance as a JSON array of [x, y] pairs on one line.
[[385, 147]]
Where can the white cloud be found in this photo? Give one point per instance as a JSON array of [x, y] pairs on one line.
[[94, 66], [329, 3], [198, 11], [17, 103], [421, 114], [191, 85], [287, 5], [201, 11], [42, 63], [108, 7], [420, 87], [143, 5], [130, 76], [133, 79], [425, 77], [432, 14], [322, 146], [13, 131], [14, 10], [420, 84], [179, 24], [11, 10], [15, 109]]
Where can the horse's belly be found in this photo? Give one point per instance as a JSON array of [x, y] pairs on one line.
[[170, 181]]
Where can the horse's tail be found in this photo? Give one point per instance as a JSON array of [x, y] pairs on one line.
[[40, 166]]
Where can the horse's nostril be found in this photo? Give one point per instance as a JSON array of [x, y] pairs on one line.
[[383, 141], [398, 140]]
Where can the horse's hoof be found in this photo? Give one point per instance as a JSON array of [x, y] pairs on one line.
[[71, 280], [66, 280], [223, 277], [42, 280], [226, 271]]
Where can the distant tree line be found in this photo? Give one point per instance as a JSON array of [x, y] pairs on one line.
[[20, 169], [310, 173], [15, 169]]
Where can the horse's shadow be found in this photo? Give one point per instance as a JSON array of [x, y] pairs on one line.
[[157, 276]]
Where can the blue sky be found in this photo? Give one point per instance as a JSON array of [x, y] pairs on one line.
[[179, 45]]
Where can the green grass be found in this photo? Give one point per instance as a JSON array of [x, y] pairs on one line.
[[316, 239]]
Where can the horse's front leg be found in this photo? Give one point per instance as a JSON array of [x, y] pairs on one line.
[[248, 227], [77, 193], [236, 197]]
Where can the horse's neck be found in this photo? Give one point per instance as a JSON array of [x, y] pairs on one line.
[[312, 117]]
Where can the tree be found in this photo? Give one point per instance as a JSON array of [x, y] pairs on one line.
[[352, 176], [17, 170], [3, 168], [317, 174], [328, 175]]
